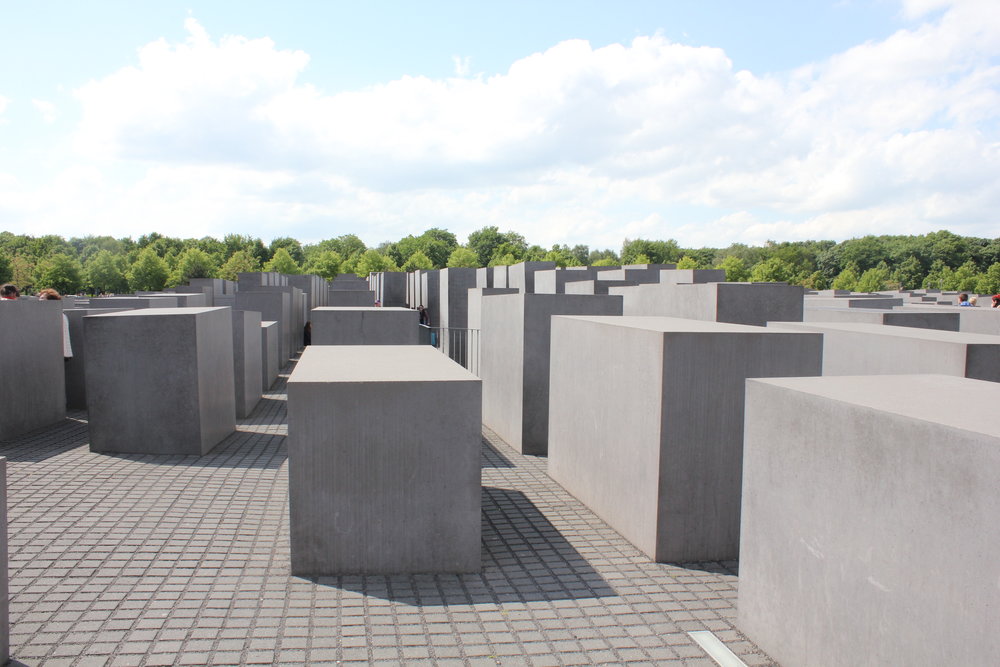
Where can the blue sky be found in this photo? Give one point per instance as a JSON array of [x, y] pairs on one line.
[[575, 122]]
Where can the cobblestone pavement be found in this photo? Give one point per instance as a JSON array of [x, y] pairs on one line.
[[161, 560]]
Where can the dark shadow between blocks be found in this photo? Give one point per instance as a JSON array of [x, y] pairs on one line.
[[728, 567], [492, 458], [524, 557], [265, 451], [46, 442]]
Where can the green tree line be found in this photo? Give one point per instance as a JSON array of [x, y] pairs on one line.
[[96, 264]]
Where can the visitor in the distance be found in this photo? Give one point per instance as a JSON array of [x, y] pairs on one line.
[[50, 294], [9, 292]]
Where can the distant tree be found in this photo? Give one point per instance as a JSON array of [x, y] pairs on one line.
[[149, 272], [559, 256], [326, 264], [282, 262], [847, 279], [62, 273], [293, 247], [598, 255], [6, 271], [909, 273], [241, 261], [939, 277], [503, 260], [816, 281], [418, 261], [606, 261], [106, 273], [484, 243], [773, 270], [874, 279], [657, 252], [253, 247], [735, 268], [687, 262], [965, 277], [463, 258], [641, 258], [372, 261], [193, 263], [989, 282], [22, 271]]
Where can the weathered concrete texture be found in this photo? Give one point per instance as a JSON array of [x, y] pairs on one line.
[[76, 383], [247, 361], [297, 312], [383, 462], [640, 273], [349, 282], [270, 353], [871, 302], [391, 289], [484, 278], [4, 583], [160, 380], [500, 274], [164, 301], [32, 377], [514, 361], [692, 276], [522, 276], [870, 349], [218, 286], [657, 452], [919, 320], [205, 290], [273, 306], [253, 280], [350, 298], [868, 512], [364, 326], [183, 299], [313, 287], [595, 286], [475, 320], [979, 320], [554, 281], [735, 303]]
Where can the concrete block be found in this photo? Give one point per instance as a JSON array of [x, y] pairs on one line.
[[160, 380], [735, 303], [273, 306], [76, 384], [349, 282], [350, 298], [32, 374], [869, 349], [643, 274], [383, 462], [247, 361], [554, 281], [391, 290], [270, 352], [499, 276], [205, 290], [919, 320], [868, 512], [595, 286], [364, 326], [162, 301], [522, 276], [646, 423], [297, 315], [691, 276], [430, 295], [183, 299], [980, 320], [862, 301], [313, 287], [484, 278], [514, 361]]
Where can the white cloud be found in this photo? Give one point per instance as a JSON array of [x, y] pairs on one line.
[[46, 109], [574, 144]]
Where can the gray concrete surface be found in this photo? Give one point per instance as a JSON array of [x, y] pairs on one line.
[[514, 361], [924, 319], [364, 326], [735, 303], [640, 273], [391, 289], [350, 298], [184, 299], [270, 352], [247, 360], [273, 306], [76, 383], [646, 423], [691, 276], [430, 295], [163, 301], [867, 507], [32, 373], [861, 301], [554, 281], [870, 349], [977, 320], [595, 286], [521, 276], [383, 452], [297, 316], [160, 380]]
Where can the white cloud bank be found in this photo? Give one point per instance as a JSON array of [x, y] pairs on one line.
[[575, 144]]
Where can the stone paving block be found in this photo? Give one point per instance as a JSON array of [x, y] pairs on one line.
[[370, 493], [160, 380], [866, 502]]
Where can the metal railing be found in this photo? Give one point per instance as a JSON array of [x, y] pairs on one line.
[[461, 345]]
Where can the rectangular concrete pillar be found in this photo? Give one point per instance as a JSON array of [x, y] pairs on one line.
[[923, 319], [32, 373], [364, 326], [270, 353], [514, 361], [76, 382], [247, 361], [646, 423], [160, 380], [273, 306], [735, 303], [350, 299], [869, 521], [521, 276], [383, 462], [163, 301]]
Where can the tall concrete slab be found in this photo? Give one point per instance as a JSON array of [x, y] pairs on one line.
[[644, 274], [521, 276], [160, 380], [554, 281], [162, 301], [350, 298], [980, 320], [430, 295], [500, 276], [247, 361], [391, 290], [691, 276], [270, 353], [76, 386], [383, 462], [735, 303], [595, 286], [942, 321], [183, 299], [273, 306], [646, 423], [32, 374], [869, 507], [514, 361], [364, 326], [484, 278], [871, 349]]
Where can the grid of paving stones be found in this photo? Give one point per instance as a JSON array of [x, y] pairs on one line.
[[163, 560]]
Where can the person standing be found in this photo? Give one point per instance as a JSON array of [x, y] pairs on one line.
[[52, 295]]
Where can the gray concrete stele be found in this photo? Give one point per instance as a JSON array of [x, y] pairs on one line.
[[870, 507], [160, 380], [383, 462], [364, 326]]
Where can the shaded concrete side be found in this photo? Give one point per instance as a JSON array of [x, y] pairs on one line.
[[430, 295], [918, 320], [522, 276], [862, 538], [32, 373], [273, 307], [76, 388], [501, 364], [364, 326], [350, 298], [270, 351], [247, 361]]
